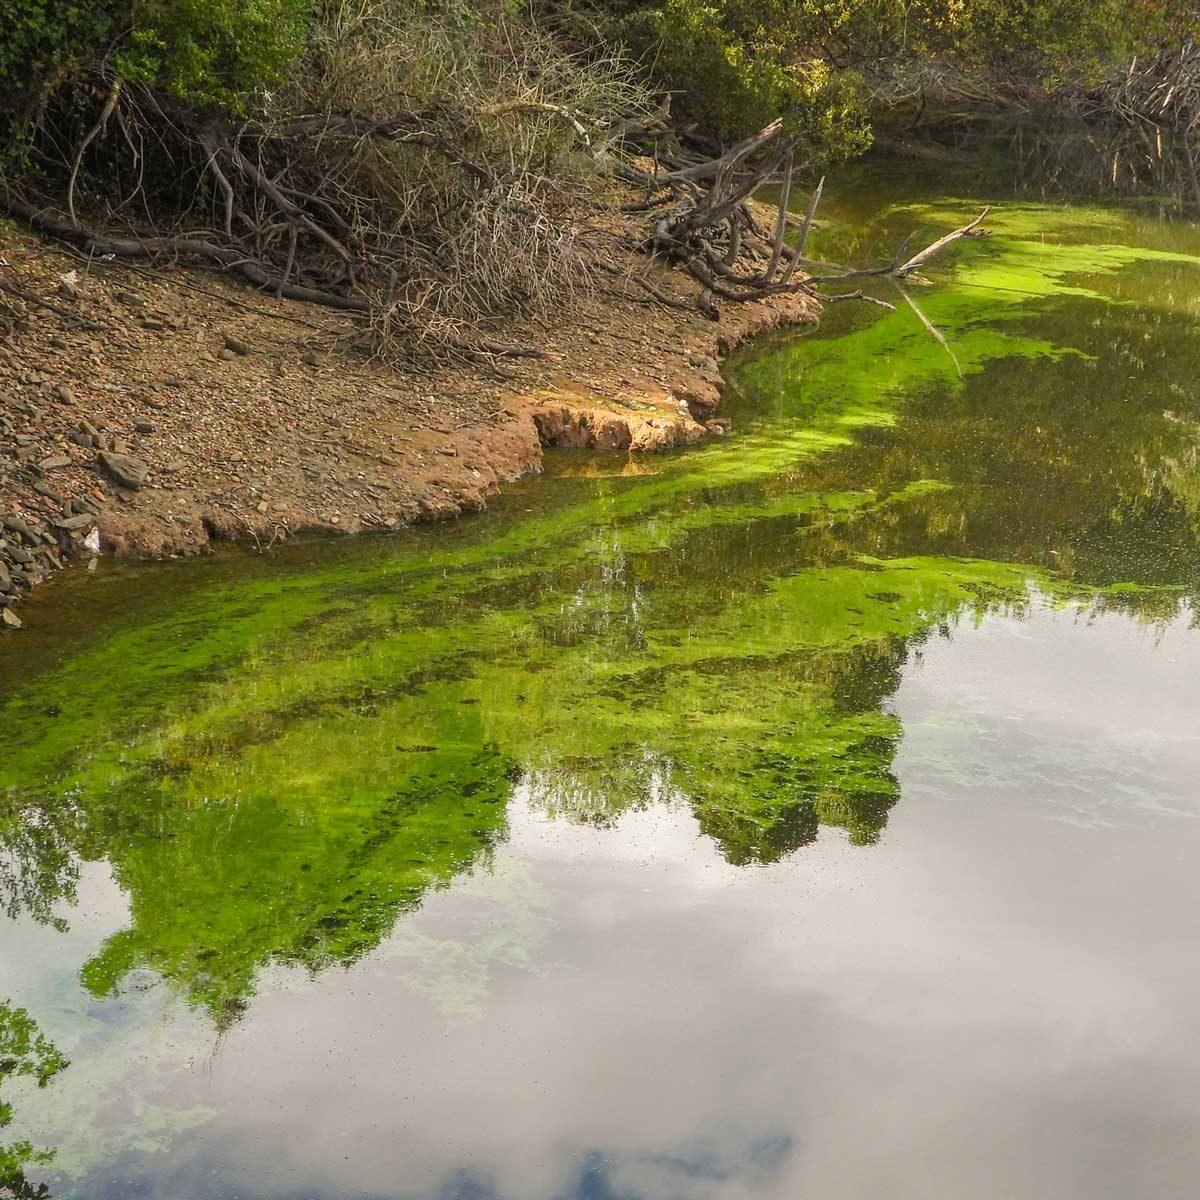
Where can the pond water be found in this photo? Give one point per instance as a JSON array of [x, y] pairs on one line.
[[808, 814]]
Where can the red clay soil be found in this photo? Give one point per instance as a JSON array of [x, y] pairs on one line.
[[152, 412]]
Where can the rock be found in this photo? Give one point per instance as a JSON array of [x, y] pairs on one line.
[[143, 427], [227, 355], [63, 394], [126, 470], [311, 359], [131, 299], [54, 462], [10, 618], [17, 526], [79, 438], [237, 346], [152, 323], [80, 522]]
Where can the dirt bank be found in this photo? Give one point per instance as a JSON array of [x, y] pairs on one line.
[[147, 413]]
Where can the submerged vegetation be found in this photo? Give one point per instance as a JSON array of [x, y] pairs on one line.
[[299, 758]]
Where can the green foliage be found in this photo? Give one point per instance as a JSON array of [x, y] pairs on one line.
[[43, 43], [213, 54], [734, 65], [208, 55]]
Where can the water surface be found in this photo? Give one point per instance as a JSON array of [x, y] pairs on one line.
[[812, 813]]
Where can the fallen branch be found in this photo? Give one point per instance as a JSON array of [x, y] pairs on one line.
[[855, 295], [937, 247], [74, 318], [233, 261]]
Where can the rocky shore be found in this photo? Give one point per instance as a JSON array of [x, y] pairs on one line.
[[149, 413]]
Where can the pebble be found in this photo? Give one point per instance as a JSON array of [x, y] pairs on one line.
[[128, 471], [143, 427], [10, 618]]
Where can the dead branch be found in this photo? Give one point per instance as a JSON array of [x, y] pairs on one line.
[[73, 318], [917, 260], [180, 247], [110, 103], [859, 294]]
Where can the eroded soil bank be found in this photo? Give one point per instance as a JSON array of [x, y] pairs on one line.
[[148, 413]]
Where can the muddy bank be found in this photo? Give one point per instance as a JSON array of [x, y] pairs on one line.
[[150, 413]]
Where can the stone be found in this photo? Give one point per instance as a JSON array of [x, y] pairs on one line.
[[54, 462], [237, 345], [79, 438], [10, 618], [227, 355], [311, 359], [16, 525], [79, 522], [131, 299], [126, 470], [63, 394], [143, 427]]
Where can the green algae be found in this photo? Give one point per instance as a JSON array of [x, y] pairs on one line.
[[278, 766]]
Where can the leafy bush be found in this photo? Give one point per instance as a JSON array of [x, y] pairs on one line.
[[735, 64], [207, 55], [212, 54]]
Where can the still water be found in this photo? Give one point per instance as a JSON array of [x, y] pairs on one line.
[[808, 814]]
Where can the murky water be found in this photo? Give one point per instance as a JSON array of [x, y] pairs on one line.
[[810, 814]]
